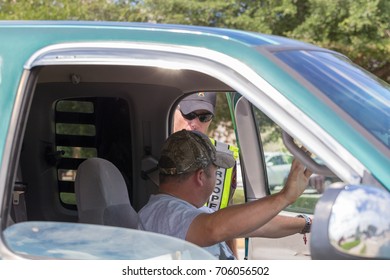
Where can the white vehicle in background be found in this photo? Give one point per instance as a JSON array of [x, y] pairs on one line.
[[278, 166]]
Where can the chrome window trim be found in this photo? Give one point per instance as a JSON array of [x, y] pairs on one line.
[[220, 66], [12, 129], [18, 118]]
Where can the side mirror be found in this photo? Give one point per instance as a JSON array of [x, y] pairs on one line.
[[352, 222]]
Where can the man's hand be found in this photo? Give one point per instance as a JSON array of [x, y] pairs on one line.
[[297, 181]]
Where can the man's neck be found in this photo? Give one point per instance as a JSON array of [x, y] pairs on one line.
[[188, 197]]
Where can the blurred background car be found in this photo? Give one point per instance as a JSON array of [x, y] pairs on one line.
[[278, 167], [321, 182]]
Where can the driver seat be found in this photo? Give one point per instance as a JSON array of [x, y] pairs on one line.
[[102, 196]]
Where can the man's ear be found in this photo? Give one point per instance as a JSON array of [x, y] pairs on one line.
[[199, 177]]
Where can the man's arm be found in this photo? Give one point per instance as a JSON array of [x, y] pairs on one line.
[[243, 220], [280, 226], [232, 244]]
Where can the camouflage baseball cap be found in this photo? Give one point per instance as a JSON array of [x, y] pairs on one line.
[[185, 151]]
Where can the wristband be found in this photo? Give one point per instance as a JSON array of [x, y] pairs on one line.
[[307, 227]]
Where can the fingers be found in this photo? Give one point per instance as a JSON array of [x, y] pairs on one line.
[[307, 152], [297, 164], [296, 181], [299, 167], [308, 172]]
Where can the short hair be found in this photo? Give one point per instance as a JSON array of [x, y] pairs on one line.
[[165, 178]]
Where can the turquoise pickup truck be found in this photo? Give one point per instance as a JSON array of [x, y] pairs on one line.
[[71, 91]]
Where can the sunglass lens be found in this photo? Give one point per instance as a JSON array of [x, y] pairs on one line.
[[190, 116], [202, 117], [205, 117]]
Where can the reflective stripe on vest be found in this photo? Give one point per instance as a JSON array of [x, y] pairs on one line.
[[221, 195]]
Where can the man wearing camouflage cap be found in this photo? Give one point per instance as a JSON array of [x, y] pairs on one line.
[[187, 167], [195, 113]]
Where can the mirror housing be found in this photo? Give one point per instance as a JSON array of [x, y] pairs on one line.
[[351, 222]]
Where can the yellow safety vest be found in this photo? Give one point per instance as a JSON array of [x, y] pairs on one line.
[[223, 187]]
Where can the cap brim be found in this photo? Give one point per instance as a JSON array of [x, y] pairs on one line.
[[224, 160], [191, 105]]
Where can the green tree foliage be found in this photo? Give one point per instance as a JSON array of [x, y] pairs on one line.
[[359, 29]]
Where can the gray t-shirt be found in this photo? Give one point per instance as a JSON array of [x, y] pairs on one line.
[[172, 216]]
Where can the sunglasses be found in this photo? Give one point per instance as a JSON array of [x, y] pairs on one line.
[[205, 117]]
